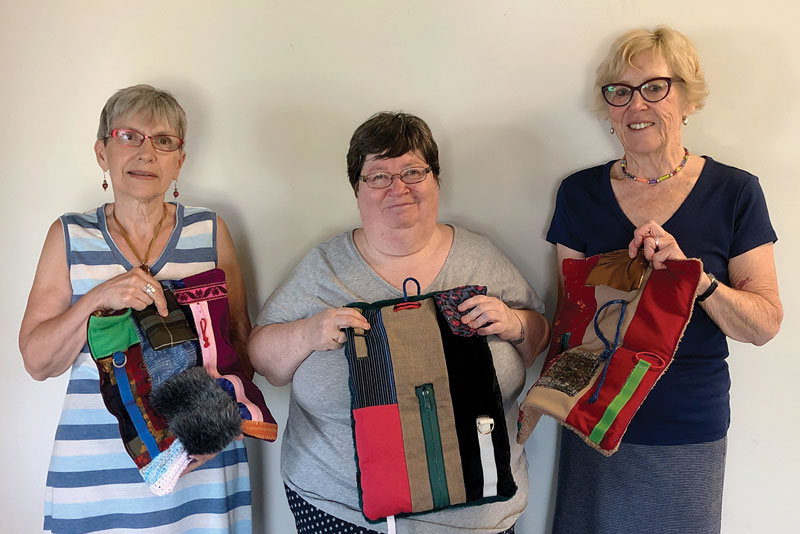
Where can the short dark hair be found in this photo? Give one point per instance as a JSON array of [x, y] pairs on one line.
[[391, 134]]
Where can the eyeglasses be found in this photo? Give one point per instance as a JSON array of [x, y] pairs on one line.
[[654, 90], [382, 180], [132, 138]]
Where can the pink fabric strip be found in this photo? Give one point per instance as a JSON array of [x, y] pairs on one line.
[[202, 321]]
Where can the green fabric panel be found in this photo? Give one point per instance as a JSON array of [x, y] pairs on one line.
[[625, 394], [110, 334], [433, 445]]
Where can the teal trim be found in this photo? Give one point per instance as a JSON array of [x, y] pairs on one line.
[[433, 445], [564, 341]]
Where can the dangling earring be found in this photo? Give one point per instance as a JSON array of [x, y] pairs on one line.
[[175, 190], [685, 120], [106, 175], [612, 130]]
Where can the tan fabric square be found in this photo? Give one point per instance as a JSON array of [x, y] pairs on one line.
[[415, 345]]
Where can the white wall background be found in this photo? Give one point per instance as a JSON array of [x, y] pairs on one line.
[[273, 91]]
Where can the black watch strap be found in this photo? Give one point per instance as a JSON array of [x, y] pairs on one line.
[[709, 290]]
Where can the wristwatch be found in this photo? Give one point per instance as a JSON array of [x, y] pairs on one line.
[[709, 290]]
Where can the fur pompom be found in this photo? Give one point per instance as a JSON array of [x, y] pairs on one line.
[[198, 411]]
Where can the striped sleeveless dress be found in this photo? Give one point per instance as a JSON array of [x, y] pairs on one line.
[[92, 483]]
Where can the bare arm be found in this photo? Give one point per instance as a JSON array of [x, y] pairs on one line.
[[53, 331], [277, 350], [237, 296], [750, 310], [536, 335]]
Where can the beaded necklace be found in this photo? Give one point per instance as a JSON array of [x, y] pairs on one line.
[[142, 262], [654, 181]]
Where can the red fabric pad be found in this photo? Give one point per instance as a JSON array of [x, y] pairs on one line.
[[661, 309], [384, 478]]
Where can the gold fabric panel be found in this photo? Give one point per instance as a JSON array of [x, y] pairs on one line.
[[617, 270]]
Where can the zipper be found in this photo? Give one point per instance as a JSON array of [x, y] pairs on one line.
[[433, 445]]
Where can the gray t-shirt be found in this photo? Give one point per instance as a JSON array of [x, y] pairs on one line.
[[318, 454]]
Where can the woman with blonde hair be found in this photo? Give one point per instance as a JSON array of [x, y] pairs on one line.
[[667, 475]]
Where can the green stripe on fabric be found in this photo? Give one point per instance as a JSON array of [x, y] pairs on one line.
[[622, 398], [111, 334]]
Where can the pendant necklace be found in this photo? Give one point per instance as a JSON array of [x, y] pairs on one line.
[[142, 262]]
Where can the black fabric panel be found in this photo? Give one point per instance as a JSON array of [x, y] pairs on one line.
[[475, 393]]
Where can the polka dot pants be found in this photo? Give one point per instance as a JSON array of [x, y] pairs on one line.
[[311, 520]]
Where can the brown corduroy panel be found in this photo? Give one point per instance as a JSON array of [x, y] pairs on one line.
[[415, 345]]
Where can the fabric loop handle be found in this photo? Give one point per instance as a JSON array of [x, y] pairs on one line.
[[405, 292], [609, 350]]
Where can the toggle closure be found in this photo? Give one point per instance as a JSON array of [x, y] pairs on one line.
[[485, 425]]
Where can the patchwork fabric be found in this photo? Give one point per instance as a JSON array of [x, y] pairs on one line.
[[206, 296], [428, 416], [202, 409], [615, 335], [163, 332], [448, 301]]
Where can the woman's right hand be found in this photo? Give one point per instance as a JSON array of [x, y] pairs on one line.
[[277, 350], [134, 289], [325, 330]]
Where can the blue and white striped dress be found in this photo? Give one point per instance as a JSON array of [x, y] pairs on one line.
[[92, 483]]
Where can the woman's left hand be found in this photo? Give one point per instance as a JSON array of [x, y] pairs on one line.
[[490, 315], [658, 245]]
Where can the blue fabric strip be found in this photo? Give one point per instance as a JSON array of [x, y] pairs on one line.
[[79, 432], [148, 519], [133, 410]]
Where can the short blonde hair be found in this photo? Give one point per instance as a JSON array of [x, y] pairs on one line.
[[145, 100], [676, 49]]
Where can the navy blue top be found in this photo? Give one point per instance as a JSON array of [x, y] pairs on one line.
[[723, 216]]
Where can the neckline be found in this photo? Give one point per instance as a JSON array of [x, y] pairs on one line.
[[399, 292], [159, 263], [699, 185]]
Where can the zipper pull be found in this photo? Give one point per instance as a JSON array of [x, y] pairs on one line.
[[426, 397]]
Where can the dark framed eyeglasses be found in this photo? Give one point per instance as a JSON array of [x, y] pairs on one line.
[[382, 180], [653, 90], [133, 138]]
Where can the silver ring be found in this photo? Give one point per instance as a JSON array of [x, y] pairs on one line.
[[655, 239], [149, 289]]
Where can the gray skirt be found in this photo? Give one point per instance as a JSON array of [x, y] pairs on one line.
[[641, 489]]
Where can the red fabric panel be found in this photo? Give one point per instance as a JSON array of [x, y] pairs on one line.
[[663, 309], [210, 286], [666, 306], [381, 461], [658, 323], [579, 306], [584, 416]]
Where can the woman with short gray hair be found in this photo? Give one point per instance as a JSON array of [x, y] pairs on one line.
[[110, 259]]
